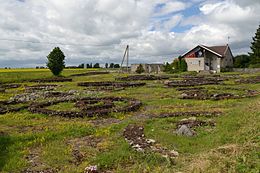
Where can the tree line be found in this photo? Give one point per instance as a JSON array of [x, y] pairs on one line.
[[97, 65], [252, 59]]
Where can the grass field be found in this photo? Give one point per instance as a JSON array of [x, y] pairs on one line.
[[231, 146]]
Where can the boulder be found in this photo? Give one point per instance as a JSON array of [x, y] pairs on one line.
[[185, 131]]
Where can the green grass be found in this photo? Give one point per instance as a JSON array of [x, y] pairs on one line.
[[231, 146]]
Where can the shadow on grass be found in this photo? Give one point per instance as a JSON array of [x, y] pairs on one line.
[[5, 142]]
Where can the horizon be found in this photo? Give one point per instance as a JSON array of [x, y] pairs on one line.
[[98, 31]]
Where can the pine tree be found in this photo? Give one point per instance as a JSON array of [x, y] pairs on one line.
[[56, 61], [255, 47]]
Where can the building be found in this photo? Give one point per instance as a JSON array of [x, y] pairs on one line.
[[148, 68], [204, 58]]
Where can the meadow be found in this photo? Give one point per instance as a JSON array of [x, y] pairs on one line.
[[38, 142]]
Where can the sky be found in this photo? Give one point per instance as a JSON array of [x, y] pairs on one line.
[[97, 31]]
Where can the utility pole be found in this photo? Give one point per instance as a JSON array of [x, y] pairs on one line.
[[126, 56]]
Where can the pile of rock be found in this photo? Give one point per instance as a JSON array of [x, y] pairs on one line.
[[134, 135], [190, 113], [109, 83], [195, 81], [88, 107], [254, 80], [41, 87], [203, 94]]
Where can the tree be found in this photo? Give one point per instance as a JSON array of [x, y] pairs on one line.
[[96, 65], [56, 61], [182, 65], [140, 69], [255, 47], [116, 66], [111, 65], [106, 65], [81, 66], [168, 68], [90, 65], [241, 61]]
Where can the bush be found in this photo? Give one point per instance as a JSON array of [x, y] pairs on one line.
[[140, 69], [56, 61]]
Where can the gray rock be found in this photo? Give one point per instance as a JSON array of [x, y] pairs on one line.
[[185, 131]]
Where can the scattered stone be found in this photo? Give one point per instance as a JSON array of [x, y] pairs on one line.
[[10, 86], [134, 135], [205, 95], [91, 169], [41, 87], [195, 81], [87, 107], [184, 130], [193, 114], [254, 80], [113, 85], [142, 77]]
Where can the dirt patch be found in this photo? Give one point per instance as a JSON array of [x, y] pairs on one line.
[[134, 135], [35, 163], [142, 77], [79, 143], [89, 107], [56, 79], [91, 73]]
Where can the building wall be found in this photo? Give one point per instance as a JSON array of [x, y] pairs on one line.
[[148, 68], [195, 64], [228, 60]]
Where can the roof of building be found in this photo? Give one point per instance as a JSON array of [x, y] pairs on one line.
[[217, 50]]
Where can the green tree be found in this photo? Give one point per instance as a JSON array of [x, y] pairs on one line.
[[182, 67], [168, 68], [116, 66], [81, 66], [140, 69], [56, 61], [111, 65], [241, 61], [96, 65], [255, 47], [106, 65]]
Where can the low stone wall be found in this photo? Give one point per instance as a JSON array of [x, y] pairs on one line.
[[246, 70]]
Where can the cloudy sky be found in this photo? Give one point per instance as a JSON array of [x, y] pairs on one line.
[[99, 30]]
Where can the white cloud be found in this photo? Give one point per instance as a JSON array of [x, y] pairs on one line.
[[99, 30]]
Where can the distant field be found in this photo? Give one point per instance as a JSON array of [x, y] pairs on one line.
[[38, 142], [19, 75]]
